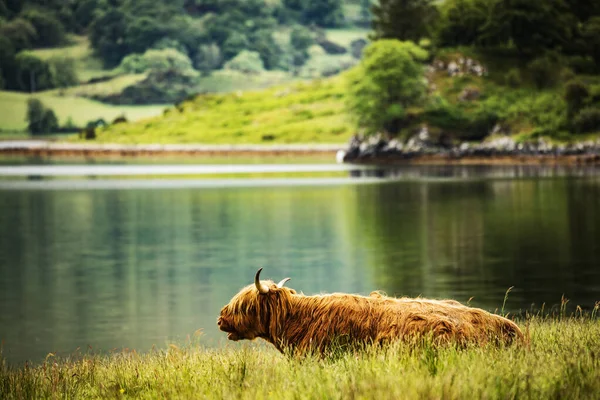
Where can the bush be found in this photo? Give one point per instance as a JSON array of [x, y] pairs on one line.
[[40, 120], [208, 58], [168, 43], [357, 46], [331, 47], [473, 125], [159, 87], [576, 93], [248, 62], [587, 120], [513, 78], [582, 64], [301, 38], [63, 72], [542, 71], [156, 60]]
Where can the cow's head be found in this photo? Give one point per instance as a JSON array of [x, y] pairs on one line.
[[256, 310]]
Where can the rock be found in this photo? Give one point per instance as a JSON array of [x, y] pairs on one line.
[[453, 69], [469, 94]]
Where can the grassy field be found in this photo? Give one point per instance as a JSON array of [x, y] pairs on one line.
[[297, 113], [79, 50], [560, 361], [13, 107]]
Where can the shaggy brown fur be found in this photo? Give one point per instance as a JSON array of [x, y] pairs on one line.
[[302, 323]]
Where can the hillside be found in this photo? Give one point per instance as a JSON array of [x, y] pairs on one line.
[[460, 107], [301, 112]]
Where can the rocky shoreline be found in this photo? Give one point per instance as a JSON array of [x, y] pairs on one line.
[[372, 150], [501, 150]]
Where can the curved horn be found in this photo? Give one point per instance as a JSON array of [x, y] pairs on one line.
[[282, 282], [262, 289]]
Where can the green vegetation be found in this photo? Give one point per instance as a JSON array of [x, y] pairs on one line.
[[40, 119], [79, 110], [387, 82], [558, 361], [297, 113]]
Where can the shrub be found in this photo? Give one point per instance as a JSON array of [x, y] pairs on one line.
[[40, 120], [582, 64], [248, 62], [63, 72], [576, 93], [156, 60], [357, 46], [169, 43], [513, 78], [208, 58], [542, 71], [331, 47], [159, 87], [301, 38], [474, 125], [587, 120]]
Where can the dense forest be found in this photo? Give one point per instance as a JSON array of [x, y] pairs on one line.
[[201, 35]]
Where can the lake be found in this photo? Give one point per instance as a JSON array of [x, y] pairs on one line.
[[133, 263]]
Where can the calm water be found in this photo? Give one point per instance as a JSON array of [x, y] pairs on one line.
[[111, 267]]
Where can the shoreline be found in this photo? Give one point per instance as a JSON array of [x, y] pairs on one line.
[[41, 148]]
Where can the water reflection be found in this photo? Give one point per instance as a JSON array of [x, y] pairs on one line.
[[132, 268]]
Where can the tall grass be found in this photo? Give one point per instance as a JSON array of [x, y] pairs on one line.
[[560, 359]]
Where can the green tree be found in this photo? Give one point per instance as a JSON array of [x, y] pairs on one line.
[[365, 11], [248, 62], [7, 62], [461, 22], [301, 38], [234, 44], [20, 33], [40, 120], [63, 72], [325, 13], [208, 58], [388, 80], [590, 32], [108, 36], [263, 43], [532, 27], [403, 19], [33, 73], [84, 13], [50, 31]]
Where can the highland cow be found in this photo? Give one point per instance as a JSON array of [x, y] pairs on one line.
[[292, 321]]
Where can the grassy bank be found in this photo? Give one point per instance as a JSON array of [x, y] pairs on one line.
[[298, 113], [560, 360]]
